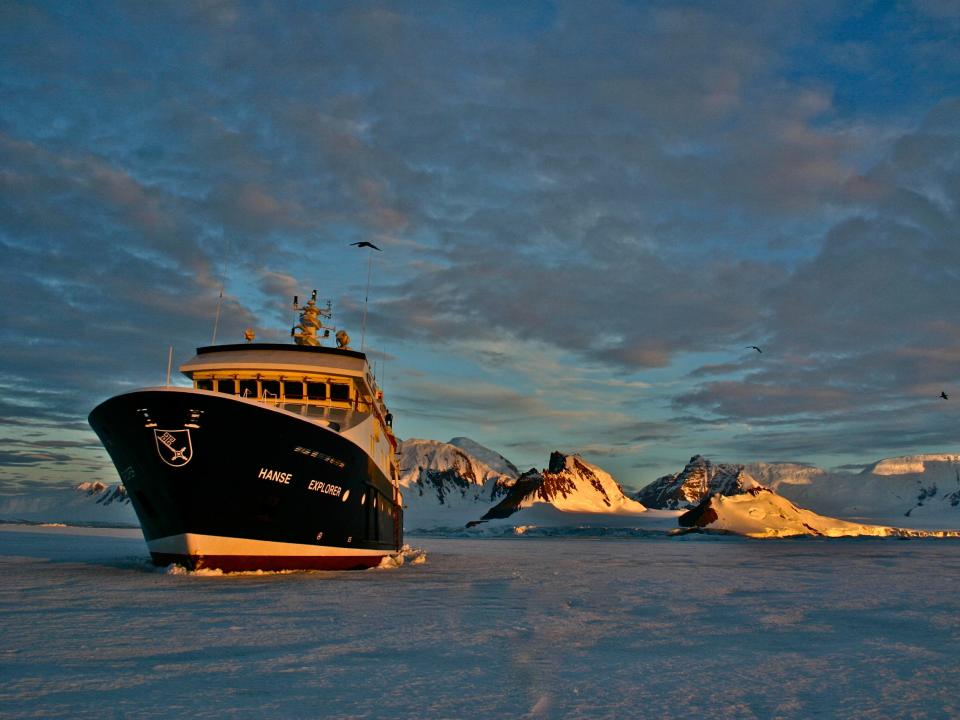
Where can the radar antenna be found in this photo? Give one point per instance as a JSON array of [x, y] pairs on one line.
[[311, 330]]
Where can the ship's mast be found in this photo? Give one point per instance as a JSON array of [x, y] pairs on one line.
[[311, 329]]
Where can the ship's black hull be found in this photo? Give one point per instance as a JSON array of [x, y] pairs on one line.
[[232, 484]]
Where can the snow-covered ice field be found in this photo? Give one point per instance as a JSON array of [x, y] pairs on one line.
[[525, 627]]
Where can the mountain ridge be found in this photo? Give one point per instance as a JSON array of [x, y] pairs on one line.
[[447, 487]]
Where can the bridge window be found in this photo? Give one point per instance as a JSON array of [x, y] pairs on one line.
[[204, 384], [270, 389], [227, 386], [339, 392], [293, 390], [316, 391], [248, 388]]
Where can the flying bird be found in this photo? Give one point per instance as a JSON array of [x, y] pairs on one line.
[[944, 395], [753, 347], [364, 243]]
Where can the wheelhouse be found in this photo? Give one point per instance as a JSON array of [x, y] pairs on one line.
[[283, 389], [332, 384]]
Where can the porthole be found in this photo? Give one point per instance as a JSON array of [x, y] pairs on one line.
[[363, 499], [346, 494]]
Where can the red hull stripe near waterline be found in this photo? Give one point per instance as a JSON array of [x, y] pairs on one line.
[[246, 563]]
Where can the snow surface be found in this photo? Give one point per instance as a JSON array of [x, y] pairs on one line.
[[544, 519], [698, 626]]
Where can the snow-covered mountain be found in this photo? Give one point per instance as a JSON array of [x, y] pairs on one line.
[[447, 485], [104, 494], [699, 478], [492, 459], [760, 512], [911, 464], [916, 490], [570, 484], [89, 503], [775, 474]]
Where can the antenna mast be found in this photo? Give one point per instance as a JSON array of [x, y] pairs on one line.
[[223, 282], [216, 322], [311, 330], [366, 295]]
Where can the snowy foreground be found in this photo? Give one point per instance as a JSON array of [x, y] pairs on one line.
[[638, 627]]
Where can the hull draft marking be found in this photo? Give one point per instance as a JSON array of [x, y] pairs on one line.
[[174, 446]]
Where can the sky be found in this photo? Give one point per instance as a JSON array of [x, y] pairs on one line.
[[587, 213]]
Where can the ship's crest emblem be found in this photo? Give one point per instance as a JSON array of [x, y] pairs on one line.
[[174, 446]]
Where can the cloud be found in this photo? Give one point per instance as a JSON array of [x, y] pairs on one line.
[[612, 198], [479, 402], [867, 323], [32, 458]]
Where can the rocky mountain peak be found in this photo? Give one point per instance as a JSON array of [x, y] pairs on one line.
[[91, 488], [700, 478], [105, 494], [489, 457], [569, 484]]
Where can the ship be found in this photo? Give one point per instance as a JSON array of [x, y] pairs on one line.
[[280, 456]]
